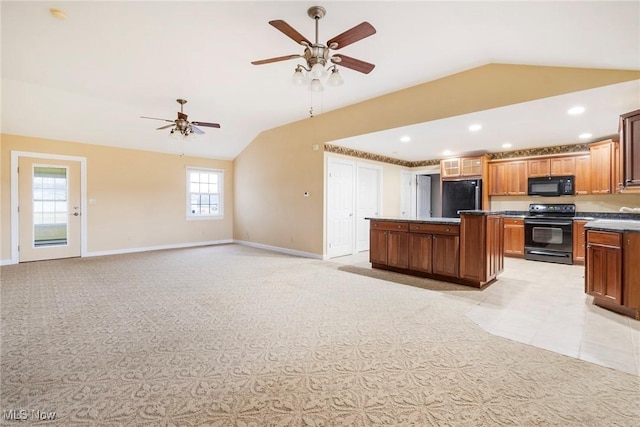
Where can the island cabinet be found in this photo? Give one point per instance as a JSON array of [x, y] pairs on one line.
[[613, 270], [389, 243], [434, 248], [468, 251]]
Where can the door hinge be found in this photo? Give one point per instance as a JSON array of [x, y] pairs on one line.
[[18, 248]]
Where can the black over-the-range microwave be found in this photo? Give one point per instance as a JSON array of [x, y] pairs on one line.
[[551, 186]]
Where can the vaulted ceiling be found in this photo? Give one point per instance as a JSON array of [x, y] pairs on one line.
[[89, 78]]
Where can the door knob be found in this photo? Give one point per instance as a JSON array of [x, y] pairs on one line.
[[76, 214]]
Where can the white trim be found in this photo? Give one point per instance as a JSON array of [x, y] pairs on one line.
[[159, 247], [7, 261], [15, 155], [281, 250]]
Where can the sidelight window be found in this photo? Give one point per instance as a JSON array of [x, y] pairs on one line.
[[205, 193]]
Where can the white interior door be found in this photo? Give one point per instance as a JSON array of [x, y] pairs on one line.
[[369, 202], [340, 207], [48, 209], [423, 190]]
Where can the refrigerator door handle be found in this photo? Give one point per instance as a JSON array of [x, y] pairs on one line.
[[477, 190]]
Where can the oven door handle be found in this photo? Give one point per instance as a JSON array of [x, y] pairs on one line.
[[542, 222], [557, 255]]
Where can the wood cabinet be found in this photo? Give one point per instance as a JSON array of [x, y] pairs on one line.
[[579, 247], [463, 167], [471, 253], [605, 167], [514, 237], [434, 248], [389, 243], [583, 175], [508, 178], [629, 129], [556, 166], [604, 266], [481, 234]]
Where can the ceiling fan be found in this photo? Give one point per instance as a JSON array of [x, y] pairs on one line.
[[317, 54], [181, 124]]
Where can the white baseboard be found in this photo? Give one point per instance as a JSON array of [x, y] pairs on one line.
[[279, 249], [6, 261], [157, 248]]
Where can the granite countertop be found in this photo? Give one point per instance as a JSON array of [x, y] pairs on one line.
[[619, 225], [479, 212], [432, 220]]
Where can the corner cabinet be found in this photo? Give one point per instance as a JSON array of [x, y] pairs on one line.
[[612, 274], [629, 129]]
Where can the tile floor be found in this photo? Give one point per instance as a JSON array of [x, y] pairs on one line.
[[544, 305]]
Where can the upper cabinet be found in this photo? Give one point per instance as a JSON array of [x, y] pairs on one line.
[[605, 165], [463, 167], [558, 166], [629, 129], [508, 178], [583, 174]]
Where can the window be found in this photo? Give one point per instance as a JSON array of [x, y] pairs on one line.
[[204, 193]]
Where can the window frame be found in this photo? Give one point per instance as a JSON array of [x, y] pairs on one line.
[[199, 217]]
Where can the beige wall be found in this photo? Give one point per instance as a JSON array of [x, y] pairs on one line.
[[273, 172], [140, 196]]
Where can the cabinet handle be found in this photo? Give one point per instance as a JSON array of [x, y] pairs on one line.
[[399, 226]]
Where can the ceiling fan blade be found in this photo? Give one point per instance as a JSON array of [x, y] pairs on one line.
[[279, 58], [358, 32], [165, 127], [196, 130], [211, 125], [153, 118], [354, 64], [290, 32]]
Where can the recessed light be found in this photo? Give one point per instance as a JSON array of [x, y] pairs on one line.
[[447, 153], [507, 145], [585, 136], [58, 14], [405, 139], [574, 111], [475, 128]]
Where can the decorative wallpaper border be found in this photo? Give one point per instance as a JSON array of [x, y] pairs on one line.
[[529, 152]]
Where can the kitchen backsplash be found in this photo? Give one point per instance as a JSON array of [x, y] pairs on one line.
[[591, 203]]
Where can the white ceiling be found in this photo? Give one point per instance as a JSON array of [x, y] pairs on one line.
[[90, 77]]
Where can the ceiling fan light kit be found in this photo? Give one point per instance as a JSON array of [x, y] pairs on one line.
[[317, 55]]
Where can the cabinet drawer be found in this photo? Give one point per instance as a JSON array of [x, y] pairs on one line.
[[604, 238], [389, 225], [513, 221], [435, 228]]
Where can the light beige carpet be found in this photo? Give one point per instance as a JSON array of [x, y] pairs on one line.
[[236, 336]]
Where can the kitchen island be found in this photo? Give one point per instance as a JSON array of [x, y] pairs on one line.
[[612, 264], [466, 250]]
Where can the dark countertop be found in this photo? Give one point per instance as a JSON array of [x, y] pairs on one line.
[[432, 220], [613, 225], [478, 212]]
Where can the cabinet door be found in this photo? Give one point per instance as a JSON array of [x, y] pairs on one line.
[[601, 155], [517, 178], [420, 252], [498, 181], [471, 166], [539, 167], [398, 249], [583, 175], [514, 237], [630, 149], [578, 241], [604, 272], [562, 166], [378, 246], [450, 168], [446, 251]]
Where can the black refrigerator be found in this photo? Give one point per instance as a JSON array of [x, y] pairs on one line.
[[461, 195]]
